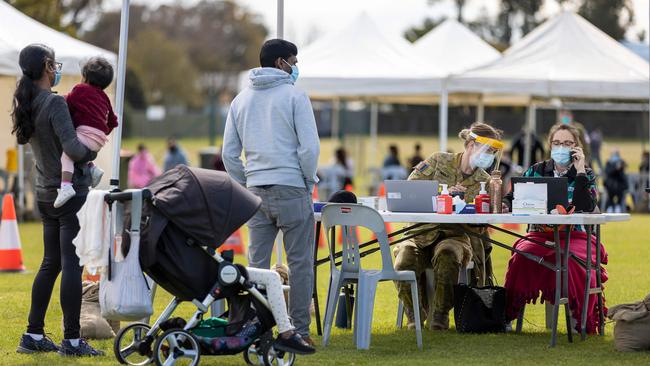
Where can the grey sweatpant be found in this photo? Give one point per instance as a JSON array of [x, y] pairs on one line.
[[289, 209]]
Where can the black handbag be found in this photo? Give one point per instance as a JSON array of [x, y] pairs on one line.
[[479, 309]]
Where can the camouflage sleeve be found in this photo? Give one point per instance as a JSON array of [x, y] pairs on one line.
[[425, 169]]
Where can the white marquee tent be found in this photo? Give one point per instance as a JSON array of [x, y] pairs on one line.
[[17, 31]]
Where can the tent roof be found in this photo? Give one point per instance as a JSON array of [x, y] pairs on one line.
[[19, 30], [455, 48], [360, 60], [565, 57]]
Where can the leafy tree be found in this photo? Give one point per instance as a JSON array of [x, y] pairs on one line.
[[414, 33], [63, 15], [613, 17], [460, 5], [164, 68]]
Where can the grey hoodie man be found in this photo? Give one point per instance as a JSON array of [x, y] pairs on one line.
[[273, 123]]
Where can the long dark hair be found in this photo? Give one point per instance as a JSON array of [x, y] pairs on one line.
[[32, 61]]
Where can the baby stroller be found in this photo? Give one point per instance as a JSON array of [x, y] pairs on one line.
[[188, 212]]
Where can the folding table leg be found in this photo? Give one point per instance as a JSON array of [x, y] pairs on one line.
[[558, 285], [319, 329], [565, 286], [585, 304], [599, 284]]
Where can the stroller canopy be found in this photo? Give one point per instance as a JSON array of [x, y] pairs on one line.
[[206, 204]]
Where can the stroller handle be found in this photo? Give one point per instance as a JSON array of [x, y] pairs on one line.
[[125, 196]]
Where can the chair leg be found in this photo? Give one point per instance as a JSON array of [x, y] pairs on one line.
[[520, 319], [366, 291], [416, 312], [330, 307], [400, 314]]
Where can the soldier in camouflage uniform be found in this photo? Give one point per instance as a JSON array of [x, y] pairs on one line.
[[446, 247]]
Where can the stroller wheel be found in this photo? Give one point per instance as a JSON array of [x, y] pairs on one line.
[[131, 346], [177, 347], [271, 357], [253, 356]]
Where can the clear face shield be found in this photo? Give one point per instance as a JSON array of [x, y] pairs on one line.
[[487, 151]]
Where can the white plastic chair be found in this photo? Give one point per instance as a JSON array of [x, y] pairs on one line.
[[348, 217]]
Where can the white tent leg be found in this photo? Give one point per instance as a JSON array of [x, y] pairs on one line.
[[336, 107], [21, 179], [119, 95], [443, 121], [480, 110], [374, 125], [280, 19], [530, 129]]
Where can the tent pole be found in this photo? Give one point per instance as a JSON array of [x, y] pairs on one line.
[[530, 129], [480, 109], [443, 118], [374, 122], [336, 115], [280, 19], [119, 97]]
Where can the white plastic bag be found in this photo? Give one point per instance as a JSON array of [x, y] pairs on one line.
[[126, 295]]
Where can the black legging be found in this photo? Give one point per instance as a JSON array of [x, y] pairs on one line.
[[615, 198], [60, 226]]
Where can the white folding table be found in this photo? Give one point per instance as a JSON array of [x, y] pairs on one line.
[[560, 267]]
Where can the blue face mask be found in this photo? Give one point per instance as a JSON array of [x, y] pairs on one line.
[[482, 160], [566, 120], [561, 155], [294, 71], [57, 78]]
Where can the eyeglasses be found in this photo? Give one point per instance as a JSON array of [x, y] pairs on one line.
[[567, 143], [57, 65]]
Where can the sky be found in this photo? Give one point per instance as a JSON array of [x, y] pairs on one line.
[[305, 20]]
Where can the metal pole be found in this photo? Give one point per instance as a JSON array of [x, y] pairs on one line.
[[530, 128], [280, 19], [119, 97], [374, 124], [443, 121], [480, 110], [336, 118]]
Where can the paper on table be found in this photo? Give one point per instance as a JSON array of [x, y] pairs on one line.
[[531, 191]]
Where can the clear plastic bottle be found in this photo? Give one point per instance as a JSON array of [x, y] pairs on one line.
[[495, 191]]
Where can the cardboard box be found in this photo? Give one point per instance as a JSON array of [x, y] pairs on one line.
[[528, 207]]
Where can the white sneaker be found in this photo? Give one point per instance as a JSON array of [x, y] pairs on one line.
[[96, 173], [65, 193]]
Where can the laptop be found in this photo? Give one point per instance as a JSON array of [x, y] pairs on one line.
[[556, 189], [411, 195]]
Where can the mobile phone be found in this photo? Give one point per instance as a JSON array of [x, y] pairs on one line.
[[572, 154]]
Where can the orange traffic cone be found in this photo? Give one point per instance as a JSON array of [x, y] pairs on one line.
[[339, 239], [314, 194], [235, 243], [11, 255]]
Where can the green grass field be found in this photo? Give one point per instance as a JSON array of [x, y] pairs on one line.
[[628, 248]]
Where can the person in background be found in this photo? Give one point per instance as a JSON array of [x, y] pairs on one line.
[[446, 247], [392, 168], [518, 148], [525, 279], [175, 155], [615, 183], [343, 169], [42, 119], [596, 141], [142, 168], [273, 122], [417, 156]]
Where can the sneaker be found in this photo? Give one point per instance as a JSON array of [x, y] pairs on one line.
[[30, 345], [84, 349], [96, 173], [65, 193], [293, 344]]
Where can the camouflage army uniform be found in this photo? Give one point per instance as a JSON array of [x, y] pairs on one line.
[[447, 247]]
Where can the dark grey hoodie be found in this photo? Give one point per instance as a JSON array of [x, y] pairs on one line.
[[54, 133]]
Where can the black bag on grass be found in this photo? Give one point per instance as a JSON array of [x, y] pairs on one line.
[[479, 309]]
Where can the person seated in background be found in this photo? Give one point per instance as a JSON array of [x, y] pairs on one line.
[[175, 155], [446, 247], [142, 168], [392, 168], [417, 156], [616, 183], [525, 279], [518, 148]]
